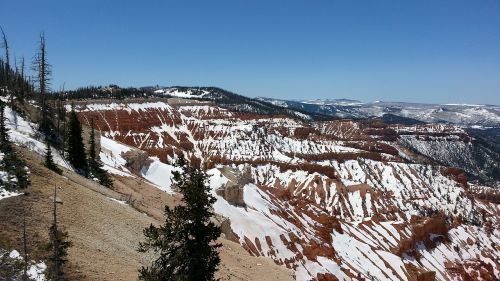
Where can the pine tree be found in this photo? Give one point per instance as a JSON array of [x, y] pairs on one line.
[[185, 243], [95, 165], [49, 160], [75, 150], [5, 145], [58, 246], [16, 166], [92, 152]]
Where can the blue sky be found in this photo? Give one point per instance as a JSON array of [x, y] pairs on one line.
[[422, 51]]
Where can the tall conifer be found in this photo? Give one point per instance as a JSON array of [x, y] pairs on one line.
[[75, 150], [12, 163], [95, 165], [58, 247], [49, 160], [185, 243]]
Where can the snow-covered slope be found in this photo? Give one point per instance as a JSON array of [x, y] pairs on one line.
[[233, 101], [24, 133], [347, 200]]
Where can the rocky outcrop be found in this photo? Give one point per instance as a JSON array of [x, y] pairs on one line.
[[225, 227], [421, 229], [427, 276], [137, 160], [233, 190], [232, 193]]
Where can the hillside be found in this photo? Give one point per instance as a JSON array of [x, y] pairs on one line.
[[103, 227], [338, 199], [103, 224]]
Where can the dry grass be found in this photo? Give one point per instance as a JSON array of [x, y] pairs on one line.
[[105, 234]]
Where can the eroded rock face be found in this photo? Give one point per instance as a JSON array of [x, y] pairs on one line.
[[137, 161], [233, 190], [422, 228], [333, 200], [427, 276], [225, 227], [232, 193]]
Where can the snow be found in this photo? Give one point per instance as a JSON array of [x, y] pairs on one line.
[[355, 253], [117, 201], [15, 255], [181, 94], [6, 177], [6, 194], [395, 262], [35, 270], [156, 172], [159, 174], [24, 134], [460, 114], [111, 157]]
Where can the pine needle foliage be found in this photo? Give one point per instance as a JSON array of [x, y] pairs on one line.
[[49, 160], [185, 244], [58, 247], [75, 150], [95, 165], [10, 161]]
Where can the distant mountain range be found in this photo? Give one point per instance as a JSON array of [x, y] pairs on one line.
[[469, 115]]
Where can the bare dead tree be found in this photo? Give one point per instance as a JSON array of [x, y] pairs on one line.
[[22, 85], [55, 231], [43, 75], [25, 249], [5, 45]]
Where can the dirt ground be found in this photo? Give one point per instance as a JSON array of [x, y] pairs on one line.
[[105, 233]]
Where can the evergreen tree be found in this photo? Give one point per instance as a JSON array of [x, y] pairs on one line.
[[95, 165], [58, 246], [75, 150], [49, 160], [5, 145], [11, 162], [185, 243]]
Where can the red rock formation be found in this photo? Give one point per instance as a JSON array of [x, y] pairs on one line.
[[427, 276], [421, 227]]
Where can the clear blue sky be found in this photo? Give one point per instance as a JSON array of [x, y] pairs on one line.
[[399, 50]]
